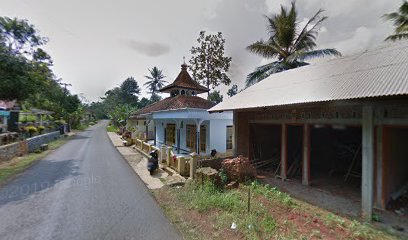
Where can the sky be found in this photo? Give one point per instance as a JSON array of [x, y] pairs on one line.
[[97, 44]]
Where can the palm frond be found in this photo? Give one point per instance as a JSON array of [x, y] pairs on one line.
[[305, 55], [265, 49], [396, 37], [307, 37], [264, 71]]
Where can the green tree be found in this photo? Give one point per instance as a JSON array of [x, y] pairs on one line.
[[120, 114], [129, 90], [208, 63], [288, 44], [143, 102], [232, 91], [155, 80], [24, 66], [400, 22], [154, 98], [215, 97]]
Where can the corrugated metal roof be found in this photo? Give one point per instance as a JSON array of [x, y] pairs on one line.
[[374, 73]]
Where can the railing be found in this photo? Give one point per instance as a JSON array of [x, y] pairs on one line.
[[184, 165]]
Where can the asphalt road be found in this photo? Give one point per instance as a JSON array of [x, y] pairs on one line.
[[83, 190]]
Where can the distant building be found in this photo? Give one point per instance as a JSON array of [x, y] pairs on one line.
[[5, 108], [182, 120], [340, 125]]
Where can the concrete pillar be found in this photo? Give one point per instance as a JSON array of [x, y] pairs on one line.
[[168, 155], [379, 171], [306, 155], [178, 140], [368, 163], [163, 153], [284, 158], [193, 165], [198, 132]]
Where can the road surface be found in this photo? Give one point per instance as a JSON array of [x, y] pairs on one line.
[[83, 190]]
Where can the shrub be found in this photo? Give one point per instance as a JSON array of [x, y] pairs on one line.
[[40, 129], [31, 130]]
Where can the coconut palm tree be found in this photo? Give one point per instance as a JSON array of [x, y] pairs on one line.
[[400, 21], [155, 80], [288, 43]]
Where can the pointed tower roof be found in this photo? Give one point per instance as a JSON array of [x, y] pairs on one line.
[[184, 81]]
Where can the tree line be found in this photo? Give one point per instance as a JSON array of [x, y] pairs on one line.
[[26, 75]]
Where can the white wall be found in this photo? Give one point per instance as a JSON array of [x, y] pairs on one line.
[[218, 135]]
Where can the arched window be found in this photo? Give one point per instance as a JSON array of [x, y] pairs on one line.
[[183, 92]]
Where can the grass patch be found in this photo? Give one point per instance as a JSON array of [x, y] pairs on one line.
[[82, 127], [112, 128], [17, 165], [207, 212]]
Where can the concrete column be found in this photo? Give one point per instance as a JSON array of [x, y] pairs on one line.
[[306, 155], [163, 153], [379, 163], [178, 140], [154, 134], [368, 163], [284, 158], [193, 164], [198, 132], [147, 130]]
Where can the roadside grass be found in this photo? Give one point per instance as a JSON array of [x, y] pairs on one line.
[[112, 128], [82, 127], [17, 165], [204, 211]]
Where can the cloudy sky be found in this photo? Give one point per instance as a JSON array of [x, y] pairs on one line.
[[96, 44]]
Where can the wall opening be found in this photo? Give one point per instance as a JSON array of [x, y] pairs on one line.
[[265, 145], [294, 151], [395, 168], [336, 160]]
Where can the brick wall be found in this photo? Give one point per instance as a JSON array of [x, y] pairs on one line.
[[7, 152], [34, 143]]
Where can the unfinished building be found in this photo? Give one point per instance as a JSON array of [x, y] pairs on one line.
[[340, 125]]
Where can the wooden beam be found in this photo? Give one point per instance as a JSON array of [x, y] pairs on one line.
[[306, 155], [367, 183], [284, 152]]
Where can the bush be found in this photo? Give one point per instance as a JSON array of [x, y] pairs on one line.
[[40, 129], [31, 130]]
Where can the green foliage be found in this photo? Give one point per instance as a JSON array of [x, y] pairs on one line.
[[24, 66], [288, 43], [208, 63], [215, 97], [400, 22], [128, 91], [272, 193], [155, 80], [25, 73], [154, 98], [112, 128], [223, 176], [232, 91], [120, 114], [208, 196], [41, 129], [30, 130]]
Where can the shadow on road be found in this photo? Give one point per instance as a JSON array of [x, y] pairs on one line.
[[31, 182]]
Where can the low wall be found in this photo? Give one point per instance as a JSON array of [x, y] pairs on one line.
[[7, 152], [34, 143]]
